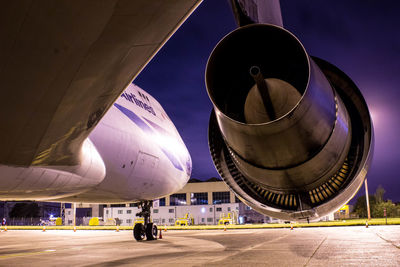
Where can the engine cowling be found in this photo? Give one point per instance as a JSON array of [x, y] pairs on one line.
[[290, 134]]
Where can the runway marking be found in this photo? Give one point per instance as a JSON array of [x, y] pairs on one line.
[[228, 232], [315, 251], [14, 255], [240, 251], [389, 241]]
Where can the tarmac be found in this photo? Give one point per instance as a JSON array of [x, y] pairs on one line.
[[319, 246]]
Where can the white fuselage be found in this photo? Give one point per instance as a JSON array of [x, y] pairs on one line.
[[134, 153]]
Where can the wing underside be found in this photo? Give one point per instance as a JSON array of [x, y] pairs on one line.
[[63, 64]]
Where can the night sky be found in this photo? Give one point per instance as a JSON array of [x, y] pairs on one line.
[[362, 38]]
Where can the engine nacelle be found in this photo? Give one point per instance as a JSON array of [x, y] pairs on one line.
[[290, 134]]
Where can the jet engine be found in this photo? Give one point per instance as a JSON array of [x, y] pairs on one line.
[[290, 134]]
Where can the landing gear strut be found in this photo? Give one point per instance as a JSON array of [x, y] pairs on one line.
[[147, 229]]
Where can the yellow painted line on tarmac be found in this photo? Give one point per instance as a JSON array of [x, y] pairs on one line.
[[14, 255], [349, 222]]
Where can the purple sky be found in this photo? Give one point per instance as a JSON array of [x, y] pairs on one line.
[[362, 38]]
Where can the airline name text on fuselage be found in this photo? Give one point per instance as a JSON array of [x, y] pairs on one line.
[[133, 99]]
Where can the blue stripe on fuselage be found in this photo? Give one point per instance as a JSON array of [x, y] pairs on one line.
[[142, 125]]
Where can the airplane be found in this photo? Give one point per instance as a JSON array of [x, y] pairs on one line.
[[134, 154], [289, 133], [73, 126]]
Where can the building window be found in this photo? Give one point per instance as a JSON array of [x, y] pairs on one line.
[[128, 221], [171, 220], [210, 209], [120, 211], [155, 221], [171, 210], [221, 197], [69, 212], [69, 221], [209, 219], [118, 205], [162, 202], [202, 220], [177, 200], [128, 211], [107, 212], [155, 211], [163, 220], [218, 209], [199, 198], [229, 208]]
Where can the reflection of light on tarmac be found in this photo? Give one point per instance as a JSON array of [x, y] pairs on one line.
[[24, 254]]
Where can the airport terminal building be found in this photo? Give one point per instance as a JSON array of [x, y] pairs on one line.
[[206, 202]]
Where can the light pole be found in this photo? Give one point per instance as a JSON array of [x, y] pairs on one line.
[[366, 195]]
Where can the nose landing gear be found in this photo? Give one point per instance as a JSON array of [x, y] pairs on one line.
[[148, 228]]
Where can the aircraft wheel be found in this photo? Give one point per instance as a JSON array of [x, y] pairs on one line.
[[139, 231], [151, 231]]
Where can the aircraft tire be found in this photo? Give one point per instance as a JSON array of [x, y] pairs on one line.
[[151, 231], [139, 232]]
